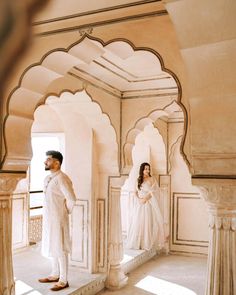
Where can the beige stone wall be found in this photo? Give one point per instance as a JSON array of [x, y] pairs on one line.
[[209, 56], [189, 216]]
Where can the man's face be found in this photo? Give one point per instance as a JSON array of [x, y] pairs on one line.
[[49, 163]]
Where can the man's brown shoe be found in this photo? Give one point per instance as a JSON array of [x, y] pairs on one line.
[[59, 286], [49, 280]]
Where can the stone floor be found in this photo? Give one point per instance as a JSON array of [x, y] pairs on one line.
[[162, 275], [166, 275], [29, 266]]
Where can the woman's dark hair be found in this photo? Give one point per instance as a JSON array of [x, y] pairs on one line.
[[140, 178], [56, 155]]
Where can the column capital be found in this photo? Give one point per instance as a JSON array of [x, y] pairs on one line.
[[9, 181], [218, 193], [225, 222]]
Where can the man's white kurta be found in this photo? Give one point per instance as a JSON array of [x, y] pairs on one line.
[[58, 203]]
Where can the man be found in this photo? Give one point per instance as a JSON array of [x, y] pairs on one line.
[[58, 204]]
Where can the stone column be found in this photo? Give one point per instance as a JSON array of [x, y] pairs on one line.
[[8, 183], [220, 196], [116, 278], [165, 189]]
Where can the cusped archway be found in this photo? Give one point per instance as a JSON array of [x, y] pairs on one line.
[[91, 154], [69, 105], [156, 117], [116, 67]]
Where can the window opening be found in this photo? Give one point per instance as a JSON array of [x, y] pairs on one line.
[[41, 142]]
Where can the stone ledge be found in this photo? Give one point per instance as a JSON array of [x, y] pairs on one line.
[[138, 260], [99, 283], [91, 288]]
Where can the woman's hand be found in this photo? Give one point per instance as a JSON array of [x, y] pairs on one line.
[[143, 200], [146, 198]]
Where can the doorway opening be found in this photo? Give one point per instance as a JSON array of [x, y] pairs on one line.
[[41, 142]]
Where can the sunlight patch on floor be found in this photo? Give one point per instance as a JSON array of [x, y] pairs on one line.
[[22, 288], [162, 287]]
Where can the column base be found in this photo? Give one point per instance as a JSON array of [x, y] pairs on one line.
[[116, 278]]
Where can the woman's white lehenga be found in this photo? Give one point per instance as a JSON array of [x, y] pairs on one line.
[[146, 229]]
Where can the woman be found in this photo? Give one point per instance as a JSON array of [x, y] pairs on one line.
[[147, 227]]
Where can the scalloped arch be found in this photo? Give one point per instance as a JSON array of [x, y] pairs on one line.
[[139, 127], [172, 150], [35, 80], [81, 104]]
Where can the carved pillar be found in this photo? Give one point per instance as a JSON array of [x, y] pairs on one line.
[[165, 207], [116, 278], [8, 183], [220, 196]]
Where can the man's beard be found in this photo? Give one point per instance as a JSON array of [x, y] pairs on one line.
[[47, 168]]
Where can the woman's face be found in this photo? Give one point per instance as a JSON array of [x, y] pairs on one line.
[[146, 171]]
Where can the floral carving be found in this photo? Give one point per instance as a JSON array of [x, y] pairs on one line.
[[9, 182], [220, 195]]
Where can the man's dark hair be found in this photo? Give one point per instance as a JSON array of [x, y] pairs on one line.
[[56, 155]]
